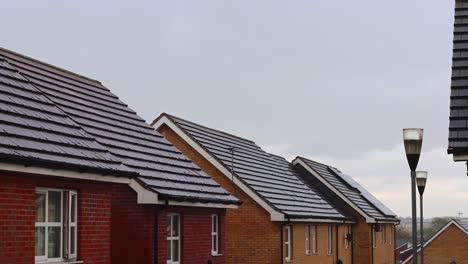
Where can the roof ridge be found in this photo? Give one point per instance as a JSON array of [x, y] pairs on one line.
[[49, 65], [321, 163], [214, 129]]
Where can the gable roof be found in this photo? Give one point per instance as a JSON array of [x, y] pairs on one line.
[[268, 178], [457, 223], [348, 190], [52, 116], [458, 126]]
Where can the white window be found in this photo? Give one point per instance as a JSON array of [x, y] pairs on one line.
[[374, 244], [307, 240], [55, 225], [214, 234], [346, 241], [314, 239], [173, 239], [287, 243], [330, 240]]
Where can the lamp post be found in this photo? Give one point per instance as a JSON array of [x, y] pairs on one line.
[[412, 138], [421, 178]]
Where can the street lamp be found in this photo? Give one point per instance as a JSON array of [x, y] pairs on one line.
[[412, 138], [421, 178]]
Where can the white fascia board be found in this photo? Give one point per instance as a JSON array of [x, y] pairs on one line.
[[11, 167], [453, 222], [198, 204], [274, 214], [332, 188], [460, 157], [144, 196], [314, 220]]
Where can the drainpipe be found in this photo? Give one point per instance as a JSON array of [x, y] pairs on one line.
[[372, 244], [337, 245], [155, 245], [351, 243]]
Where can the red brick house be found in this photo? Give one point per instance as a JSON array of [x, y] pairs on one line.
[[448, 245], [83, 178], [281, 219]]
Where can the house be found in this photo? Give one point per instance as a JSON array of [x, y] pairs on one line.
[[374, 232], [400, 251], [458, 126], [448, 245], [281, 219], [83, 178], [279, 196]]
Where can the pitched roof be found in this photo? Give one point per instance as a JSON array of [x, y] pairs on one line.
[[269, 176], [349, 190], [457, 223], [464, 223], [458, 127], [50, 115]]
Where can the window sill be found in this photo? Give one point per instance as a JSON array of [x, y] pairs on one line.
[[60, 262]]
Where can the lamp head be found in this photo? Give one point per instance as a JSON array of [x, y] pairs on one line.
[[421, 179], [413, 138]]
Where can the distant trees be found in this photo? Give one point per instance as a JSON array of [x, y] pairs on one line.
[[403, 232]]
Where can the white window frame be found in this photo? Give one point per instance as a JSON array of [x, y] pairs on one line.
[[307, 239], [347, 231], [171, 238], [330, 240], [64, 225], [214, 234], [374, 244], [314, 240], [288, 243]]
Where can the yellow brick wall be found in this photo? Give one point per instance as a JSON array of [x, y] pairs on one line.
[[450, 246], [362, 242], [384, 251]]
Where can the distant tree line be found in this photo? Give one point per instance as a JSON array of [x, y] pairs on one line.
[[404, 232]]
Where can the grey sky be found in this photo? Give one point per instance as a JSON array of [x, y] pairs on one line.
[[331, 80]]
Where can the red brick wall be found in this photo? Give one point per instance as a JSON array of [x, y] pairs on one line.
[[17, 214], [132, 228], [196, 234]]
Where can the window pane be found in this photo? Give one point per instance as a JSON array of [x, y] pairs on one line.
[[54, 242], [215, 223], [168, 250], [175, 250], [40, 241], [55, 209], [175, 225], [168, 226], [72, 239], [40, 207], [73, 208], [215, 248]]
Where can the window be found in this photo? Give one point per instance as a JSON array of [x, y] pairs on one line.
[[173, 238], [329, 241], [383, 234], [307, 240], [390, 235], [347, 231], [314, 239], [374, 245], [214, 234], [287, 243], [55, 225]]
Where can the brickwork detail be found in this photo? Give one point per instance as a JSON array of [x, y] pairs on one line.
[[17, 217]]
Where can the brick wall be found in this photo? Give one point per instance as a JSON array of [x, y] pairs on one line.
[[17, 217], [362, 244], [321, 257], [251, 237], [450, 246], [384, 252], [195, 225], [132, 228]]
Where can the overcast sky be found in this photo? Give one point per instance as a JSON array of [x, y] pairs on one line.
[[335, 81]]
